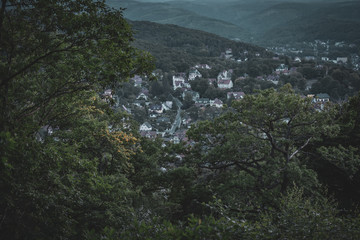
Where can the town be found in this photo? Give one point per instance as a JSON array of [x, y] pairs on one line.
[[190, 97]]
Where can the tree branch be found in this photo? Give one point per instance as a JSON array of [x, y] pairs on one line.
[[5, 81], [305, 144]]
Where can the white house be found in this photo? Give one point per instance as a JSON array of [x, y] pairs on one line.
[[225, 84], [282, 68], [156, 108], [322, 97], [145, 127], [108, 93], [341, 60], [297, 59], [236, 95], [178, 81], [194, 73], [142, 96], [216, 103], [225, 75], [228, 53], [202, 66]]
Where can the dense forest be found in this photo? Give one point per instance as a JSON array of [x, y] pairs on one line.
[[178, 48], [274, 165]]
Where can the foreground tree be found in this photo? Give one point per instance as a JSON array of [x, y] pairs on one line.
[[255, 151], [64, 153]]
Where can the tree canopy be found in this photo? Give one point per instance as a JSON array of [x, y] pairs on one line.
[[64, 151]]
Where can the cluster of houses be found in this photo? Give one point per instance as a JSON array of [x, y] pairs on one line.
[[159, 124], [321, 50], [243, 57], [146, 130], [223, 80]]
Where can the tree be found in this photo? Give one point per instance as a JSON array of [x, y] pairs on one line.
[[200, 85], [336, 159], [254, 152], [188, 101], [65, 153]]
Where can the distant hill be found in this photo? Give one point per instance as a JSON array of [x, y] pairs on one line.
[[177, 47], [260, 22], [334, 21], [167, 14]]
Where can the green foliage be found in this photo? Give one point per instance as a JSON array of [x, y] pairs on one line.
[[177, 48], [301, 217], [200, 86], [73, 168], [65, 154]]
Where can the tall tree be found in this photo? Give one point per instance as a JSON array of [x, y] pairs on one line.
[[255, 151], [64, 152]]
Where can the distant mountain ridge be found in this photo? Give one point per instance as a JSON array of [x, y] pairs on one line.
[[165, 13], [256, 21]]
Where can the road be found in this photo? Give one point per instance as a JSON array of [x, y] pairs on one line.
[[177, 122]]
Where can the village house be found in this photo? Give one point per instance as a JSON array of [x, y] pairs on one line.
[[225, 75], [310, 58], [148, 134], [179, 136], [139, 103], [145, 127], [156, 108], [322, 97], [297, 60], [142, 96], [178, 80], [167, 105], [108, 93], [194, 73], [341, 60], [216, 103], [228, 53], [225, 84], [202, 102], [137, 81], [235, 95], [325, 59], [202, 66], [281, 69], [186, 121]]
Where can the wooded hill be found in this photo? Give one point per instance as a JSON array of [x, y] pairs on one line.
[[165, 13], [176, 47]]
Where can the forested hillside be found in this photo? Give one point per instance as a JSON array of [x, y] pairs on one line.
[[167, 14], [178, 48], [272, 164]]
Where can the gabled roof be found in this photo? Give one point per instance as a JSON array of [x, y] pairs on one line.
[[322, 95], [218, 101], [146, 124], [226, 82], [156, 107]]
